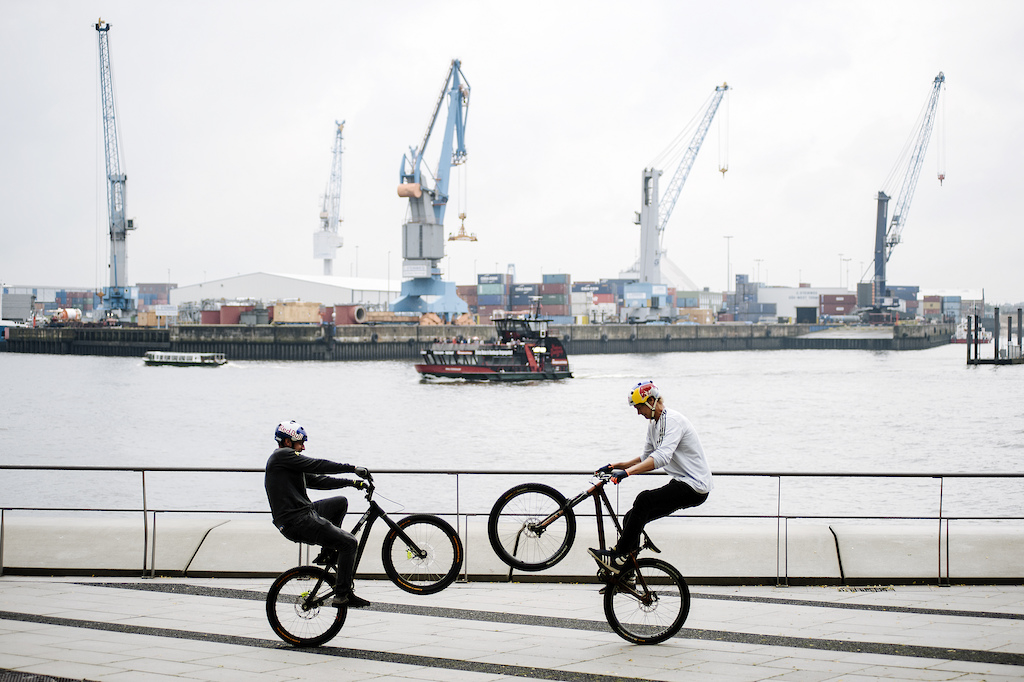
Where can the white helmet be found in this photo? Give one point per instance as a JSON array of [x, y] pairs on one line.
[[292, 430]]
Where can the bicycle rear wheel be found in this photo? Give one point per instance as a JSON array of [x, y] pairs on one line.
[[299, 606], [516, 535], [430, 573], [649, 605]]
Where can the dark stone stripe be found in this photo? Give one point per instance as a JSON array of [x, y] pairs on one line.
[[915, 651], [339, 652]]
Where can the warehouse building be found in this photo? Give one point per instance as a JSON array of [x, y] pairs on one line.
[[269, 287]]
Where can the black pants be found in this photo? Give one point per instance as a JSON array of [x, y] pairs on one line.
[[323, 527], [655, 504]]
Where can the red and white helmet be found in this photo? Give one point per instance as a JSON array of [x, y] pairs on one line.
[[644, 392]]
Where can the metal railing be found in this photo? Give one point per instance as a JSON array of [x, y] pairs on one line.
[[462, 515]]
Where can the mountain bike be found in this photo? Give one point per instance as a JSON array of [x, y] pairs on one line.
[[532, 526], [422, 554]]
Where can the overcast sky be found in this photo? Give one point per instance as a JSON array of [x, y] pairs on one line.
[[226, 113]]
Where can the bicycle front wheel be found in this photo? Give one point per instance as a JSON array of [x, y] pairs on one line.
[[299, 606], [649, 605], [434, 566], [530, 528]]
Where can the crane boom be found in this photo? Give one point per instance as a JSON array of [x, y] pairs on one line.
[[683, 171], [655, 213], [327, 240], [117, 293], [888, 235]]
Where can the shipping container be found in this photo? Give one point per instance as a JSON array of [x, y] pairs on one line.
[[604, 298], [696, 315], [523, 289], [491, 300], [519, 300], [554, 288], [291, 312], [490, 289], [231, 314], [554, 299], [498, 278], [592, 287], [209, 316], [484, 312], [581, 297], [846, 299], [556, 279], [555, 310]]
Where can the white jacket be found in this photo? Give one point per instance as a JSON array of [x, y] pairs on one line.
[[675, 446]]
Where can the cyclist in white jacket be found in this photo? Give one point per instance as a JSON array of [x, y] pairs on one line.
[[673, 445]]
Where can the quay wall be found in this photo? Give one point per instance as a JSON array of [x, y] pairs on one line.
[[397, 342], [815, 553]]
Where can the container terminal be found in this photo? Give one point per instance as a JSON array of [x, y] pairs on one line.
[[650, 292]]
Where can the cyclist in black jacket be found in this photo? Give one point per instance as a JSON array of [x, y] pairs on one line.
[[288, 474]]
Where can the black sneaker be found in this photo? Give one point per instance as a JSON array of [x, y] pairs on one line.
[[325, 557], [351, 600], [611, 561]]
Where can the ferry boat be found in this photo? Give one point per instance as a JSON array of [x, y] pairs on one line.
[[160, 357], [524, 351], [960, 335]]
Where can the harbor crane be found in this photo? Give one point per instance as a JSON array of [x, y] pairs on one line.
[[655, 211], [326, 241], [116, 298], [907, 171], [423, 232]]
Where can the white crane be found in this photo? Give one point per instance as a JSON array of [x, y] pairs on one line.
[[326, 241], [654, 212]]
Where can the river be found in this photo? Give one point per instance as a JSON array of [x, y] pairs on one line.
[[792, 411]]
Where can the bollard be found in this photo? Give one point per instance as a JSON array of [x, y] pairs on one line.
[[995, 335]]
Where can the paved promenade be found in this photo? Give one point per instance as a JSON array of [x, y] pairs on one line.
[[216, 629]]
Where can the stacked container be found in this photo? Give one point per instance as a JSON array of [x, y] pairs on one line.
[[931, 306], [491, 294], [554, 296], [836, 304]]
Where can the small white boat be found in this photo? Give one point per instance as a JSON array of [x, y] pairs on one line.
[[160, 357]]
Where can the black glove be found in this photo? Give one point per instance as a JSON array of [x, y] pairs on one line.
[[361, 472], [618, 475], [606, 469], [358, 485]]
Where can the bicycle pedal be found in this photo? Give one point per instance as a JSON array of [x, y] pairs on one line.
[[651, 546]]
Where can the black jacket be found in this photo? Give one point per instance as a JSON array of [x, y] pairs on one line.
[[288, 474]]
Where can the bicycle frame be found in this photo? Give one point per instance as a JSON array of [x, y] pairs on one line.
[[597, 492], [372, 513]]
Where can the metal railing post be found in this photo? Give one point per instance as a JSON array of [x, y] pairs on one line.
[[145, 525]]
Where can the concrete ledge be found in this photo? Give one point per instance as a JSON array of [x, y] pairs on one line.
[[726, 554], [908, 552]]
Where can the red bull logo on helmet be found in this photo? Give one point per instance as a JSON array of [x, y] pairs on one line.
[[643, 392]]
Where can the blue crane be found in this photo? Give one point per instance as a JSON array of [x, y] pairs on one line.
[[887, 232], [118, 294], [423, 232]]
